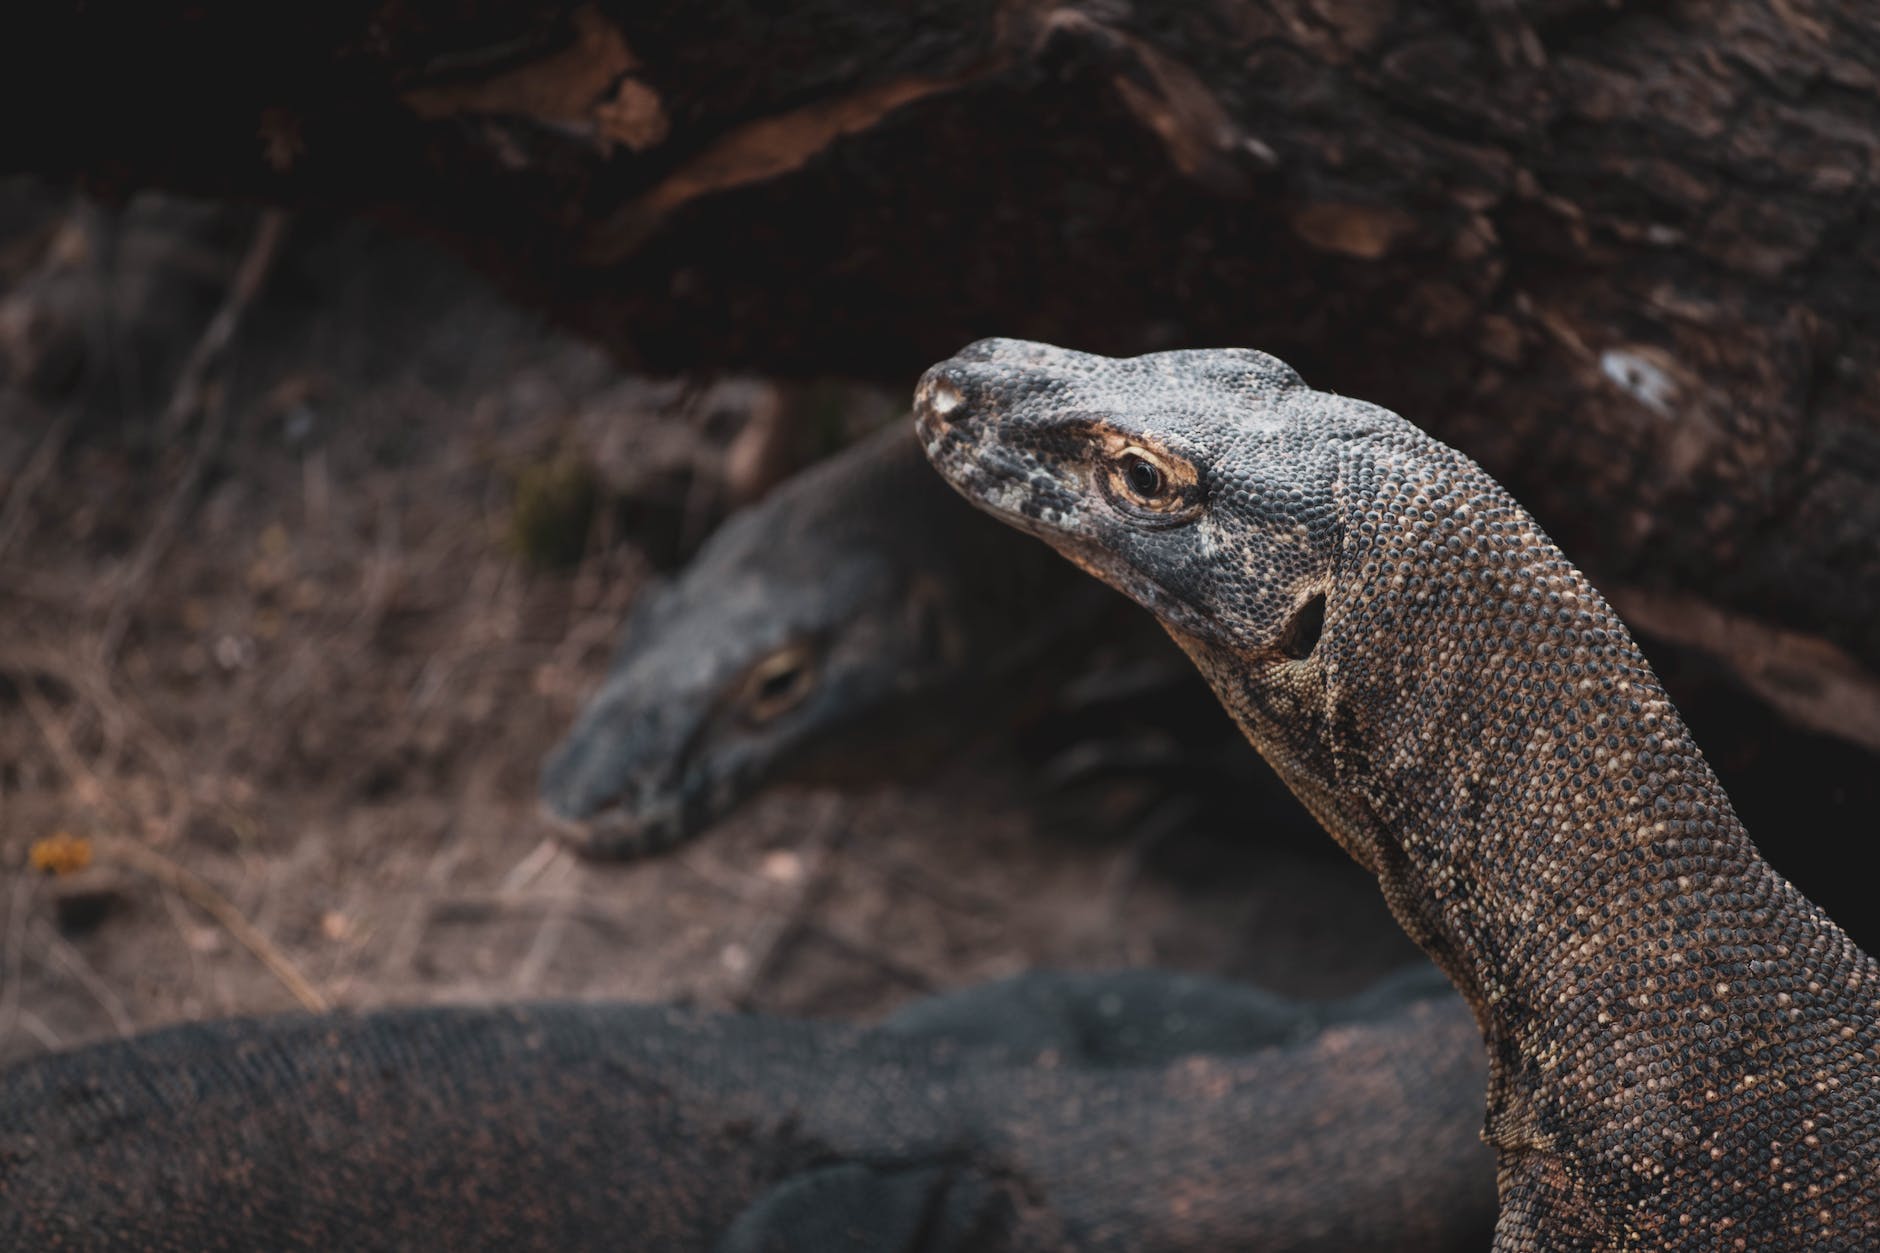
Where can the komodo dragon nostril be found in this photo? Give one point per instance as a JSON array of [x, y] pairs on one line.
[[942, 398]]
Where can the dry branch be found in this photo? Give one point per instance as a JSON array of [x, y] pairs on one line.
[[143, 858]]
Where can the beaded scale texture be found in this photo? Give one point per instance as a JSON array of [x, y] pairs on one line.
[[1682, 1046], [1127, 1112]]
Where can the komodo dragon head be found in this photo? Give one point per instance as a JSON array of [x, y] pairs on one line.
[[855, 595], [1205, 485]]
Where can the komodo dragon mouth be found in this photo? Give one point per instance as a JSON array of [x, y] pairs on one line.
[[1684, 1050]]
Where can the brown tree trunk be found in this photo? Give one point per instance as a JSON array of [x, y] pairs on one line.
[[1625, 254]]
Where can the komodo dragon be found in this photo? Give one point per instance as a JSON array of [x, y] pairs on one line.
[[1138, 1111], [830, 607], [1682, 1046]]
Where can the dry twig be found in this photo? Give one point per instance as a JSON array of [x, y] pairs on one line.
[[35, 1026], [547, 942], [75, 965], [530, 868], [479, 907], [786, 930], [118, 718], [193, 394], [14, 956], [33, 475], [141, 857], [249, 275], [957, 897], [206, 898]]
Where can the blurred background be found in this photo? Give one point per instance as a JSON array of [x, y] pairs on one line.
[[289, 629], [356, 388]]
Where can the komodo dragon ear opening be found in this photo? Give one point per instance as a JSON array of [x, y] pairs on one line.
[[1302, 633]]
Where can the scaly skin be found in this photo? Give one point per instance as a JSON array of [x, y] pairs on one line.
[[1682, 1047], [860, 593], [1139, 1112]]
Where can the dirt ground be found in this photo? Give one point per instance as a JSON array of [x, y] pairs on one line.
[[287, 624]]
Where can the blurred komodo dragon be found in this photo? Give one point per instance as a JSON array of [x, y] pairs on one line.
[[860, 596], [1136, 1112], [1682, 1047]]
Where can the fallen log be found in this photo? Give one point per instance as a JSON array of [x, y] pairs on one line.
[[1624, 255]]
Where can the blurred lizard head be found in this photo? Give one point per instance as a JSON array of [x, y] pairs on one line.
[[828, 610]]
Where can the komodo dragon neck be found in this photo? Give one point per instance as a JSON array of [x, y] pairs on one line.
[[1683, 1047], [1543, 824]]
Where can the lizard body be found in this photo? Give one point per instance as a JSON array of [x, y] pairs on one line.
[[796, 632], [1682, 1047], [1138, 1111]]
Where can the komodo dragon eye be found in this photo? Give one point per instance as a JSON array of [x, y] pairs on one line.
[[778, 683], [1144, 477], [1147, 482]]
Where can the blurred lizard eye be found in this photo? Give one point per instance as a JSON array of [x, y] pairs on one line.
[[778, 683]]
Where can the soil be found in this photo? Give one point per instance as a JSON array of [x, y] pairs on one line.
[[288, 626]]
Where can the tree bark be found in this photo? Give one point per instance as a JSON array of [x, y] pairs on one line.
[[1624, 254]]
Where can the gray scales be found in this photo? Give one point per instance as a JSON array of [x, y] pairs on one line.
[[1136, 1111], [1682, 1046], [860, 596]]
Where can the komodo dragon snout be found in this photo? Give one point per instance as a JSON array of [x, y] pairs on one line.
[[1116, 464]]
